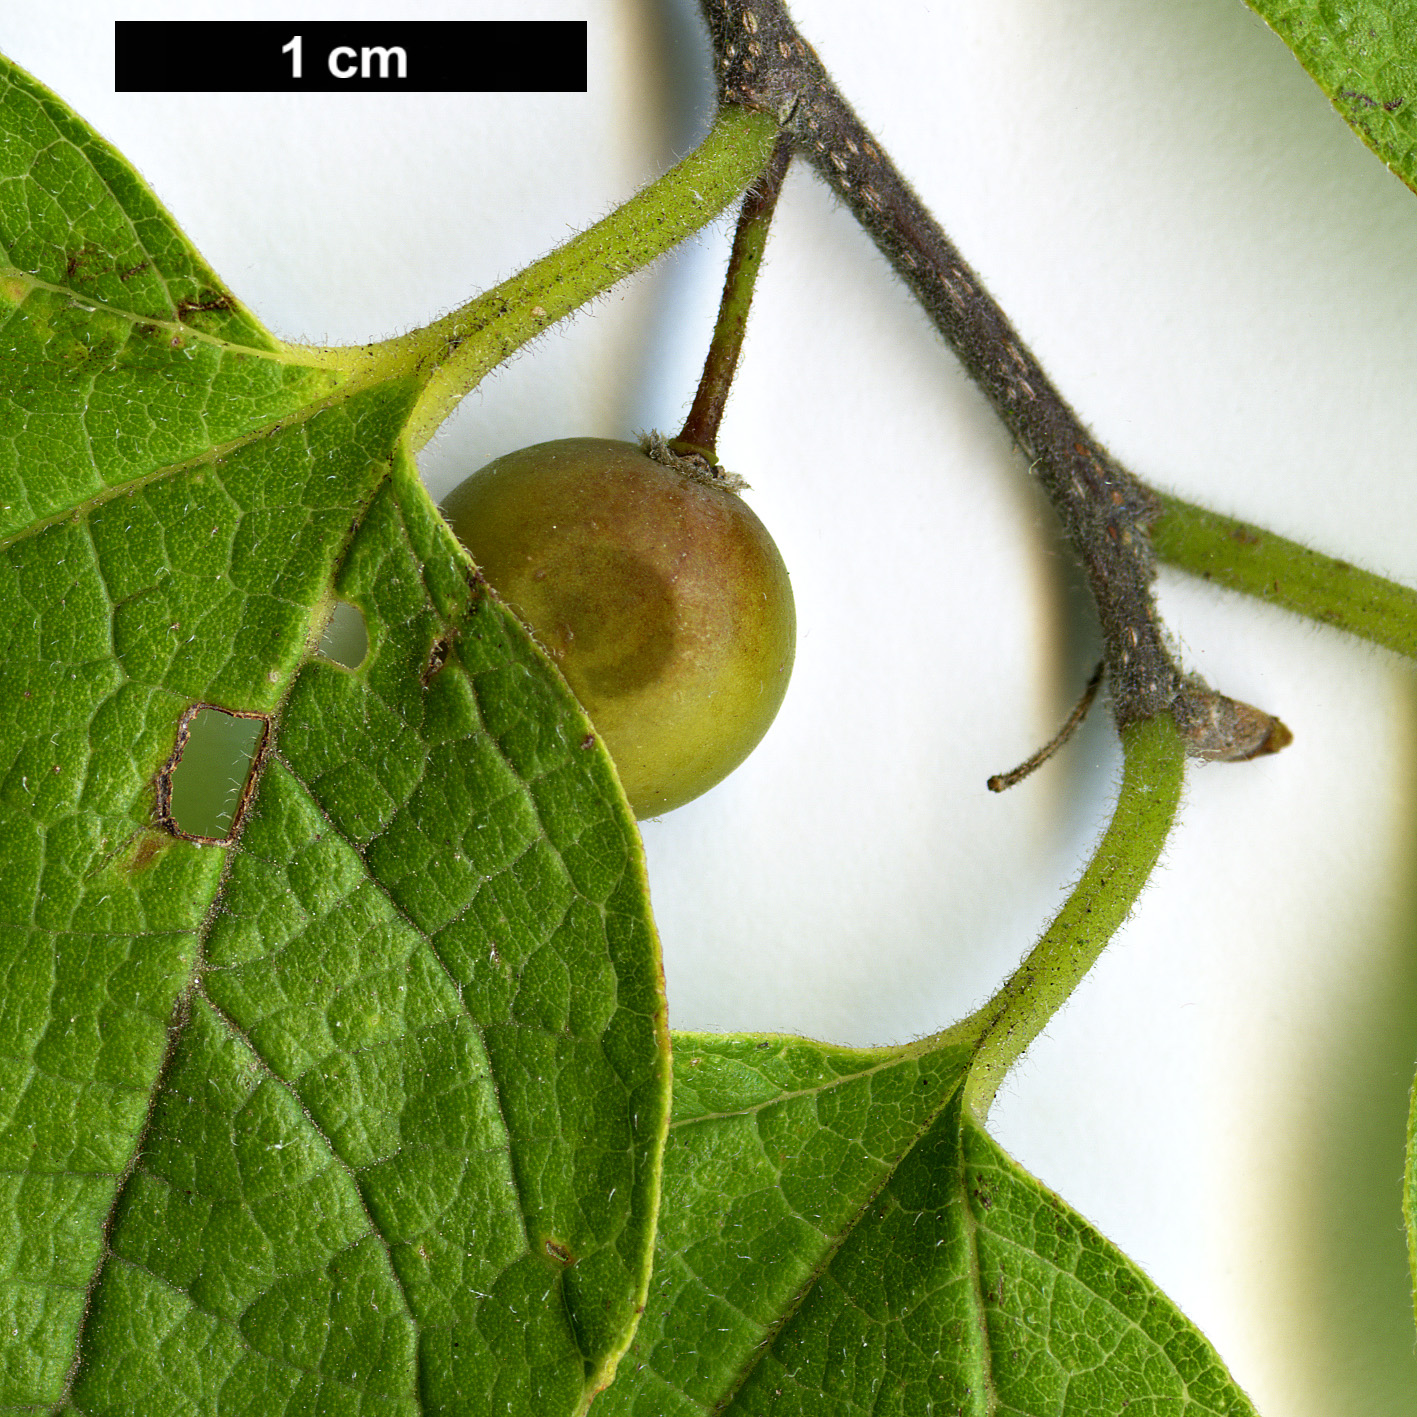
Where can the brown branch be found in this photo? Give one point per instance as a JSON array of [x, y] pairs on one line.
[[763, 63]]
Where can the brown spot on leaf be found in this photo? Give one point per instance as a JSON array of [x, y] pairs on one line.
[[437, 658], [145, 854], [77, 260], [211, 300], [559, 1252]]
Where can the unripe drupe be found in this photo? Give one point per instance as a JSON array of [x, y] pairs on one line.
[[656, 590]]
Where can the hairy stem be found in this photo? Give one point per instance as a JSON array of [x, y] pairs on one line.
[[1248, 558], [699, 434], [452, 355], [1100, 902], [764, 63]]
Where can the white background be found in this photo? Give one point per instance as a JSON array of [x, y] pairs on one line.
[[1221, 279]]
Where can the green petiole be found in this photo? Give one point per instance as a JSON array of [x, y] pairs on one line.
[[1099, 903], [1248, 558], [452, 355]]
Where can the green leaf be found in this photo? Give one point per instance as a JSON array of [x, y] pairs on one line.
[[362, 1111], [839, 1235], [1363, 55]]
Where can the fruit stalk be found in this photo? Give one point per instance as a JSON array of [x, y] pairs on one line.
[[699, 435]]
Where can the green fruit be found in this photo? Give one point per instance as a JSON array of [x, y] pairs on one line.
[[659, 594]]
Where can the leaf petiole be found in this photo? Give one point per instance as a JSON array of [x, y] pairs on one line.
[[1146, 806], [1272, 568], [452, 355]]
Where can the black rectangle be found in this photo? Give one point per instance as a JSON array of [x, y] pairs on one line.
[[408, 56]]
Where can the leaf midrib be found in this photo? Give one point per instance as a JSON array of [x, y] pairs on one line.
[[976, 1277], [182, 1001], [761, 1349], [339, 1160], [280, 353], [80, 511]]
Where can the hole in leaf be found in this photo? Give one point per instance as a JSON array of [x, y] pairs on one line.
[[346, 640], [202, 790]]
